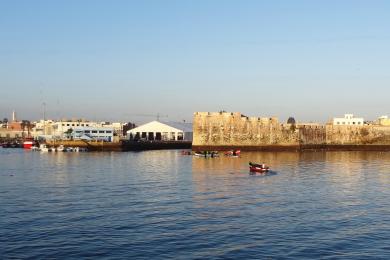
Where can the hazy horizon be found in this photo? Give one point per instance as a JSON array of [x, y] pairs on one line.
[[115, 61]]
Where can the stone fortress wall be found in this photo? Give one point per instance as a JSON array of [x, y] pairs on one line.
[[227, 130]]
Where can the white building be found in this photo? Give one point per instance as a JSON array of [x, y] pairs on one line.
[[93, 133], [76, 128], [43, 129], [60, 128], [348, 119], [162, 131]]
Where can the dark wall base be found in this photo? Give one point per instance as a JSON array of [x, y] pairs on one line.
[[295, 148], [154, 145]]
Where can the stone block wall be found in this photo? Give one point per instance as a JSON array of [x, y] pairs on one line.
[[235, 129], [223, 129]]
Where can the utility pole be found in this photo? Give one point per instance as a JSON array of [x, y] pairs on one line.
[[44, 119]]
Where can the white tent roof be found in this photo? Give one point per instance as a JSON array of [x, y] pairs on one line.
[[156, 126]]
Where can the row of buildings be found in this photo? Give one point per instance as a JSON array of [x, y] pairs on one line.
[[81, 129], [105, 131]]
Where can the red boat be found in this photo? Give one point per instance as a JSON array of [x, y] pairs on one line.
[[28, 143], [254, 167], [233, 153]]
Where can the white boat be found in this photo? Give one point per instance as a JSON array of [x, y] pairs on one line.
[[80, 149], [207, 154], [35, 148], [61, 148], [44, 148], [69, 149]]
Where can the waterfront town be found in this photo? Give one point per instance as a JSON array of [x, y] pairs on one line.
[[209, 130], [82, 132]]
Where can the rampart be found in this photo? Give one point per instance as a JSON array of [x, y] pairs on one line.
[[222, 130]]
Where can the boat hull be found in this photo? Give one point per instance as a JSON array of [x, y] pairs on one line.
[[258, 169], [27, 144]]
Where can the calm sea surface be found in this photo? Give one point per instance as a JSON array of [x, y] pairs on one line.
[[161, 205]]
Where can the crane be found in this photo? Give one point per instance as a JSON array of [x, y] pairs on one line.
[[157, 116]]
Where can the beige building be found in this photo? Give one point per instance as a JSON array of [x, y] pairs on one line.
[[11, 134], [384, 121]]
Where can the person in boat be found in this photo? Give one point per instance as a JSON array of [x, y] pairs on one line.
[[263, 166]]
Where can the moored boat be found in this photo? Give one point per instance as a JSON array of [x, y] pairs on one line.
[[207, 154], [28, 143], [255, 167], [44, 148], [233, 153]]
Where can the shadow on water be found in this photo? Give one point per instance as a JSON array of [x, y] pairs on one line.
[[263, 174]]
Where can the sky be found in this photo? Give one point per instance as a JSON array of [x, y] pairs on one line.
[[131, 60]]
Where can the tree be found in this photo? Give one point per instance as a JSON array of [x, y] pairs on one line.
[[26, 124], [69, 133], [291, 120]]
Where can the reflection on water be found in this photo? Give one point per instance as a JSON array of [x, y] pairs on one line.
[[161, 204]]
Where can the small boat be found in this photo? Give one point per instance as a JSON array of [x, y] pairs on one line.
[[69, 149], [80, 149], [61, 148], [233, 153], [207, 154], [28, 143], [35, 148], [254, 167], [44, 148]]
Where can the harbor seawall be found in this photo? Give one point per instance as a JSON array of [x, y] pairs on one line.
[[123, 146], [224, 131]]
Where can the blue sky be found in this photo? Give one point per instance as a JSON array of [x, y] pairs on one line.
[[117, 60]]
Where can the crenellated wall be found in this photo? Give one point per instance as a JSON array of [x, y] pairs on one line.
[[223, 129], [235, 129]]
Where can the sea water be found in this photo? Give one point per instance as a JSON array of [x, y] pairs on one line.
[[165, 205]]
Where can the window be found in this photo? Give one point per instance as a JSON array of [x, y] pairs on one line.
[[101, 132], [94, 131], [180, 136], [87, 131], [67, 124], [173, 136], [108, 132]]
